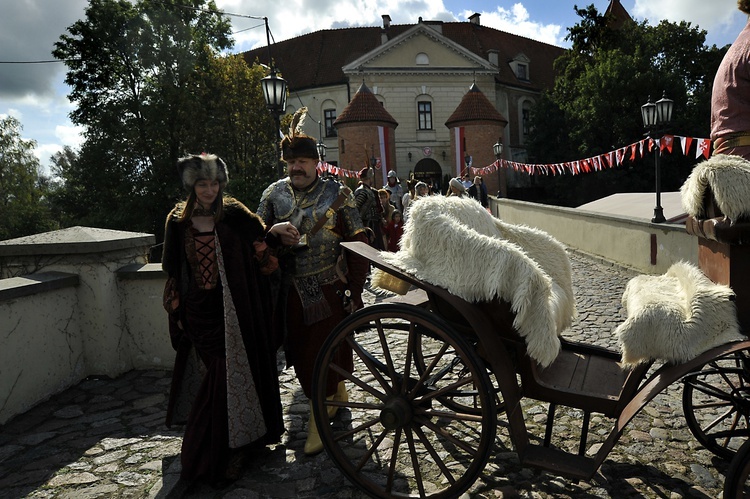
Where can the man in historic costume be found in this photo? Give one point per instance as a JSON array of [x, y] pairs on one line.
[[316, 274], [225, 383], [396, 189], [370, 209]]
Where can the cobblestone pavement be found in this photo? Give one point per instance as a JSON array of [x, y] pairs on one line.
[[106, 438]]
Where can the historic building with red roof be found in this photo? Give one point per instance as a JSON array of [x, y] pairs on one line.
[[420, 74]]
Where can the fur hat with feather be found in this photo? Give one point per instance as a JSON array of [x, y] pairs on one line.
[[297, 144], [202, 167]]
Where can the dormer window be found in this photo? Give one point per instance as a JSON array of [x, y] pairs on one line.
[[520, 66], [522, 72]]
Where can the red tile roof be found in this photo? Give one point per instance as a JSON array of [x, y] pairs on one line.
[[315, 59], [475, 106], [618, 13], [364, 107]]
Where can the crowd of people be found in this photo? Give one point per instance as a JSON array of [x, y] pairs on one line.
[[242, 284]]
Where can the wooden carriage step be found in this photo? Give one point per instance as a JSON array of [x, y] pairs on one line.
[[559, 462]]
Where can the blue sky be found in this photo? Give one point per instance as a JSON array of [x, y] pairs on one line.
[[35, 92]]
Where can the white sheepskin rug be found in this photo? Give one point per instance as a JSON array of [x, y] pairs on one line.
[[454, 243], [676, 316], [729, 179]]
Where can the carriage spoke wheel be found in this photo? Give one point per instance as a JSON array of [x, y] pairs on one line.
[[463, 399], [716, 402], [396, 436], [737, 483]]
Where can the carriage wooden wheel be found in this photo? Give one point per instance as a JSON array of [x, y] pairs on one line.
[[737, 483], [716, 401], [406, 431]]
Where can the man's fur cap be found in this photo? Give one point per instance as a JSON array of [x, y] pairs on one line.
[[297, 144], [202, 167]]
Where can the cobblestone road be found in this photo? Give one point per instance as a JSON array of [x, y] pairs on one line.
[[106, 438]]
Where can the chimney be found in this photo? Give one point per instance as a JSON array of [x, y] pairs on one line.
[[384, 31], [493, 55], [474, 18]]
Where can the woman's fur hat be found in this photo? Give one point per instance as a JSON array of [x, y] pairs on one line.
[[297, 144], [202, 167]]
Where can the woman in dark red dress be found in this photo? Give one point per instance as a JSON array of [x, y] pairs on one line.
[[225, 383]]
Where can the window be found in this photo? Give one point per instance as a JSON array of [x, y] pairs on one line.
[[424, 110], [329, 115], [422, 59], [522, 72], [525, 120]]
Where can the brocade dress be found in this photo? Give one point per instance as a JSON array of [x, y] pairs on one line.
[[225, 383]]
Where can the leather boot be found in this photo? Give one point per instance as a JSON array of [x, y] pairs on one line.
[[340, 396], [313, 444]]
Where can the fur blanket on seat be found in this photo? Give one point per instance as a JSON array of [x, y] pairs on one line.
[[456, 244], [676, 316], [729, 180]]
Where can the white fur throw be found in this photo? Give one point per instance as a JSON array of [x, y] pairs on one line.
[[676, 316], [454, 243], [729, 179]]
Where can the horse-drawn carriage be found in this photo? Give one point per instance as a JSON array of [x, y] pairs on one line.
[[437, 375]]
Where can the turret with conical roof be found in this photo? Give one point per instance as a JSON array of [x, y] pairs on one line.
[[475, 125], [366, 133]]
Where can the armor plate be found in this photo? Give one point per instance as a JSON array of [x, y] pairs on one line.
[[280, 202]]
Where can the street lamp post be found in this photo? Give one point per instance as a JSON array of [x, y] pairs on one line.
[[274, 92], [497, 148], [321, 146], [656, 118]]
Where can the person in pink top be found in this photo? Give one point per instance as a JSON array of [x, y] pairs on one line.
[[730, 98]]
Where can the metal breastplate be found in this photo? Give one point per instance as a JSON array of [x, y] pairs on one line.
[[303, 209]]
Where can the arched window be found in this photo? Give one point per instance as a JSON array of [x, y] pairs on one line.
[[422, 59], [524, 118]]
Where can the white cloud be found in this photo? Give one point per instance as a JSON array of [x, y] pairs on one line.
[[720, 16], [70, 135], [516, 21]]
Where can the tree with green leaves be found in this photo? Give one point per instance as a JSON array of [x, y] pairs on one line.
[[23, 191], [235, 123], [604, 78], [131, 68]]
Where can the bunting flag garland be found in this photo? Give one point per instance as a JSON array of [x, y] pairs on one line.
[[610, 159], [335, 170]]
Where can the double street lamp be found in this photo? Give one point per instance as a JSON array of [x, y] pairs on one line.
[[274, 92], [656, 118]]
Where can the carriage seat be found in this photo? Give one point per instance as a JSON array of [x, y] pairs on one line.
[[455, 244], [716, 198], [676, 316]]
